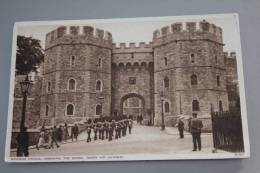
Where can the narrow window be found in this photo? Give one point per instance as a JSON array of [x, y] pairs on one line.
[[195, 105], [165, 61], [194, 80], [192, 58], [166, 107], [98, 110], [98, 85], [216, 59], [70, 110], [218, 80], [166, 82], [48, 86], [72, 60], [220, 106], [99, 62], [47, 110], [132, 80], [72, 84]]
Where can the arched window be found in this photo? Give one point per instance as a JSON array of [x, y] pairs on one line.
[[99, 62], [46, 110], [166, 107], [218, 80], [220, 106], [192, 58], [165, 61], [98, 85], [98, 110], [48, 86], [70, 110], [72, 60], [193, 79], [166, 82], [72, 84], [195, 105]]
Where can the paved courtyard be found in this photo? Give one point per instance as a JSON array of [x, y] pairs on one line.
[[144, 139]]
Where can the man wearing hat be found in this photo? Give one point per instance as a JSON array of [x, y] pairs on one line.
[[195, 126]]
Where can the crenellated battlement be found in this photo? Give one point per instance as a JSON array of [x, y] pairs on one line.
[[81, 34], [230, 55], [188, 30], [132, 47]]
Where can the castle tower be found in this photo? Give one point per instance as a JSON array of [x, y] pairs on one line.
[[189, 70], [132, 76], [76, 74]]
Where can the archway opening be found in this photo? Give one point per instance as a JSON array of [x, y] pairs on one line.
[[132, 105]]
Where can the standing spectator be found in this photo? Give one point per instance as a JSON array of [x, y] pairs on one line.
[[59, 133], [65, 132], [195, 126], [41, 141], [180, 128], [75, 132], [54, 134], [130, 125], [141, 119], [23, 143]]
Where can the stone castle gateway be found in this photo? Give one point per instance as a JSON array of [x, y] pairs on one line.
[[86, 75]]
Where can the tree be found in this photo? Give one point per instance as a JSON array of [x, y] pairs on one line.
[[29, 55]]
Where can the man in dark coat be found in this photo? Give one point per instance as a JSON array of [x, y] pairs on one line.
[[181, 128], [54, 134], [23, 143], [195, 126], [75, 132], [89, 132]]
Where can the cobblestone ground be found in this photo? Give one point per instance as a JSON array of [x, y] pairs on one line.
[[144, 139]]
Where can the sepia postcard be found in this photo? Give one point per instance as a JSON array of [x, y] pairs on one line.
[[156, 88]]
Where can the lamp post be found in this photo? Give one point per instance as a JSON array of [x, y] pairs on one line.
[[23, 136], [161, 97], [101, 100], [25, 87]]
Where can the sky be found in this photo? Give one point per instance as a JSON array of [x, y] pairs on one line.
[[137, 29]]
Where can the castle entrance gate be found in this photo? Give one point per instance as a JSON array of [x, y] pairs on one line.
[[132, 105]]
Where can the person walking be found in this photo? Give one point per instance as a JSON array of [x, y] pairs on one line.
[[95, 130], [74, 132], [23, 143], [181, 128], [130, 125], [54, 137], [110, 130], [41, 141], [195, 126], [89, 132]]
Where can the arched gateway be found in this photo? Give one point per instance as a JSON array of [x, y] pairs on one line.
[[132, 104]]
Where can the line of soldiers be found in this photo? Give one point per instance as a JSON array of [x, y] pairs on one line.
[[109, 127]]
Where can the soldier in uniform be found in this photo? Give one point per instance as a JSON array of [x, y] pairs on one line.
[[195, 126], [116, 130], [110, 129], [102, 130], [99, 129], [119, 129], [113, 124], [106, 128], [95, 130], [89, 132]]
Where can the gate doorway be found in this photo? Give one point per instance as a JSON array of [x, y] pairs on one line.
[[132, 104]]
